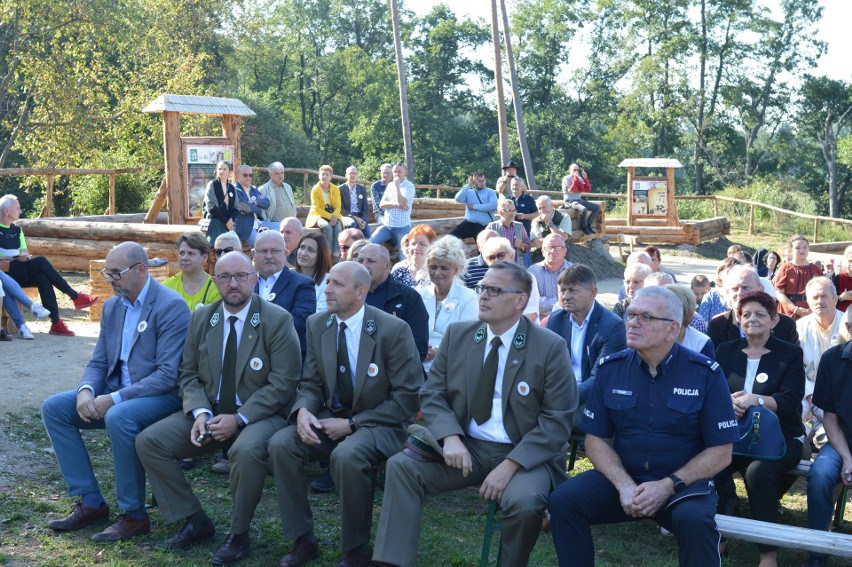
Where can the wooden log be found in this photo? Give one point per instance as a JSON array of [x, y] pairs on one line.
[[157, 205], [12, 172], [104, 231], [89, 249]]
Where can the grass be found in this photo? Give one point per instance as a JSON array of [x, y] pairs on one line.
[[452, 527]]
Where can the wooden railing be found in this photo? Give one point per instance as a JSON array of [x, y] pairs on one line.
[[50, 173]]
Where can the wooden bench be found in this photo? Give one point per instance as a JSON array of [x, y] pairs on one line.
[[626, 240], [831, 543]]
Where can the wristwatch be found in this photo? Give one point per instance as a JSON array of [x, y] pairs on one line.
[[352, 425], [760, 401], [679, 485], [240, 423]]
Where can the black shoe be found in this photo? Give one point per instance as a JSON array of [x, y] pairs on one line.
[[4, 336], [189, 535], [234, 549], [324, 483], [587, 229], [186, 464]]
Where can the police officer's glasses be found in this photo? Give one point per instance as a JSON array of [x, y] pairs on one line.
[[644, 317], [492, 291]]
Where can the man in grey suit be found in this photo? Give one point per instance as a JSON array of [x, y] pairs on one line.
[[238, 378], [130, 383], [357, 395], [500, 397]]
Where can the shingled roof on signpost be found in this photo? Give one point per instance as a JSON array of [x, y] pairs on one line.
[[189, 104]]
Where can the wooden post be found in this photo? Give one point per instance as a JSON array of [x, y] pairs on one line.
[[715, 206], [305, 189], [231, 130], [751, 220], [630, 171], [174, 174], [111, 194], [47, 209], [671, 215], [816, 231], [157, 204]]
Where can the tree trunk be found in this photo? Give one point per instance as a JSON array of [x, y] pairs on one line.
[[498, 81], [699, 123], [516, 98], [403, 91]]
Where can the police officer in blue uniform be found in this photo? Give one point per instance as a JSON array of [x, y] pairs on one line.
[[659, 425]]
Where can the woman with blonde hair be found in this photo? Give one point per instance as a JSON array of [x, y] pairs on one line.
[[325, 209]]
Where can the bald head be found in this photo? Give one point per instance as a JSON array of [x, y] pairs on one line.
[[291, 230], [739, 281], [376, 259]]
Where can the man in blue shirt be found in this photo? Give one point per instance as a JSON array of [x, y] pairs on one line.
[[480, 203], [130, 383], [659, 425], [377, 191]]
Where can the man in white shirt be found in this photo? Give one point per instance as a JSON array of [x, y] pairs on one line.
[[397, 203]]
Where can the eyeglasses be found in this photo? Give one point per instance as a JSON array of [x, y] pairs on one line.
[[245, 175], [497, 256], [554, 248], [115, 275], [269, 252], [241, 277], [493, 291], [220, 251], [644, 317]]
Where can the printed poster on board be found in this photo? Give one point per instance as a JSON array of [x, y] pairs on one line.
[[650, 197]]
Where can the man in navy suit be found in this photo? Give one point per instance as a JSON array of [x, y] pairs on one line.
[[285, 288], [130, 383], [591, 330], [354, 202]]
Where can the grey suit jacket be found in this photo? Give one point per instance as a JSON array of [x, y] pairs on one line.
[[538, 388], [388, 373], [268, 360], [155, 349]]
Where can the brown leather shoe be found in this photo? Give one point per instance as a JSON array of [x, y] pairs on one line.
[[356, 558], [80, 517], [189, 535], [124, 527], [234, 549], [302, 552]]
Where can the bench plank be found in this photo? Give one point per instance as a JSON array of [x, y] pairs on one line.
[[746, 529]]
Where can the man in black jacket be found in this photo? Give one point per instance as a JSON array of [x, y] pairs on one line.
[[739, 281]]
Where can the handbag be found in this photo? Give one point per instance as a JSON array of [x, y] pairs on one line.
[[760, 435]]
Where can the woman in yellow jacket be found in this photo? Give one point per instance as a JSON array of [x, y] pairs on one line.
[[325, 208]]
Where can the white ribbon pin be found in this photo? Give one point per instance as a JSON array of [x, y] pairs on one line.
[[199, 306], [372, 370], [762, 377], [142, 326], [270, 297], [256, 363], [523, 389]]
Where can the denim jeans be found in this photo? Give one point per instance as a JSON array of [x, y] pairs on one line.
[[385, 233], [122, 422], [823, 478], [14, 294]]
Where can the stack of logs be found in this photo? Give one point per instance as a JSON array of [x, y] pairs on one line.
[[101, 287]]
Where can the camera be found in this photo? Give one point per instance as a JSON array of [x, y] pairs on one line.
[[329, 209], [204, 437]]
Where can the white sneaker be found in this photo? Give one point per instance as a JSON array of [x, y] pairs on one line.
[[39, 311], [25, 333]]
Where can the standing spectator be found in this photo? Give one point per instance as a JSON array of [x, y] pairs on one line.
[[793, 276], [762, 371], [130, 383], [634, 280], [548, 221], [573, 186], [512, 230], [35, 271], [313, 259], [353, 198], [220, 203], [251, 204], [476, 266], [282, 203], [546, 273], [397, 202], [510, 173], [525, 206], [325, 208], [480, 203], [445, 297], [377, 191], [833, 464], [193, 283], [412, 271]]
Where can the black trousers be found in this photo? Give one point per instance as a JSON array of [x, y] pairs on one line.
[[467, 229], [38, 272]]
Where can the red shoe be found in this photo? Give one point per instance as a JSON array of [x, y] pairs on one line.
[[85, 300], [61, 329]]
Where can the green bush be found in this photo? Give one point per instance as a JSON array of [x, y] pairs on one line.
[[90, 194]]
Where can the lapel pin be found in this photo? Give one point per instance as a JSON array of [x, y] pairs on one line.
[[142, 326], [515, 361], [256, 363], [372, 370], [329, 322], [523, 388], [271, 297], [520, 341], [199, 306], [762, 377], [214, 320], [370, 327], [480, 335], [255, 320]]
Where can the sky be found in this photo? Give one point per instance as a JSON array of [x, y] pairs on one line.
[[833, 29]]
